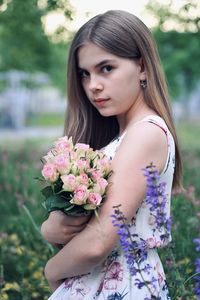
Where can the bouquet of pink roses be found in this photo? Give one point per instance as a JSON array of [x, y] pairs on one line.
[[76, 177]]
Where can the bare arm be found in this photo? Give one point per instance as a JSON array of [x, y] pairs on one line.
[[139, 148]]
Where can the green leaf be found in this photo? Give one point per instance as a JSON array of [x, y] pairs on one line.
[[55, 202], [47, 191]]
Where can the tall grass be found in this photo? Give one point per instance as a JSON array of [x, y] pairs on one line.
[[23, 253]]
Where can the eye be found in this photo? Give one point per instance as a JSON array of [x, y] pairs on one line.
[[84, 74], [106, 69]]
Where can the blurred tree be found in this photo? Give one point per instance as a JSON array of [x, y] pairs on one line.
[[178, 37], [24, 44], [58, 64], [58, 5]]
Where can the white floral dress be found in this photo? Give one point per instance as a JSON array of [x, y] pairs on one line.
[[112, 280]]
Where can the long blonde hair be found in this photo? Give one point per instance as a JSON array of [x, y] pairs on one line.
[[123, 35]]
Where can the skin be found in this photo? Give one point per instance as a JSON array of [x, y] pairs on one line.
[[59, 229], [106, 76], [117, 82]]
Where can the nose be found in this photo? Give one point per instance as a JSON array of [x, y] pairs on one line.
[[95, 84]]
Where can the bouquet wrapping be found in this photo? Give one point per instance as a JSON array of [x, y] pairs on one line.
[[75, 176]]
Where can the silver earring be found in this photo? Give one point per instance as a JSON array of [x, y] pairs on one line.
[[143, 83]]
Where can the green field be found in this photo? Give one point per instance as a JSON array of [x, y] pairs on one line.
[[21, 268], [46, 119]]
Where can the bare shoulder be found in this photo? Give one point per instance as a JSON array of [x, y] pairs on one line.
[[144, 143], [148, 133]]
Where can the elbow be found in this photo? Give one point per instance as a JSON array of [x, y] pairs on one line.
[[50, 271]]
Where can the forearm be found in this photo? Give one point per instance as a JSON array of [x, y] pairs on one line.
[[73, 260], [82, 253]]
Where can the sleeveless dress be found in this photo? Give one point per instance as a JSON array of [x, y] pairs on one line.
[[112, 280]]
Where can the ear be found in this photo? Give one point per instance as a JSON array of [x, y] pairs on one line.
[[142, 71]]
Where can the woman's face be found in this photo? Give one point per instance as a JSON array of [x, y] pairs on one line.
[[111, 83]]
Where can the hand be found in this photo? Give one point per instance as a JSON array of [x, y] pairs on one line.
[[60, 228]]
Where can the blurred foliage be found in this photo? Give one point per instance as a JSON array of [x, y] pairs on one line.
[[59, 5], [21, 268], [177, 49], [177, 34], [188, 133], [58, 64], [24, 44], [186, 19]]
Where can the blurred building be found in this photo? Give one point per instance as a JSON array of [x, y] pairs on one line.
[[26, 94]]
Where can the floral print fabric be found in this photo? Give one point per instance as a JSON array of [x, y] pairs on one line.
[[112, 280]]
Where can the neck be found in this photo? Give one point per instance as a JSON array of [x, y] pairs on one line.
[[135, 114]]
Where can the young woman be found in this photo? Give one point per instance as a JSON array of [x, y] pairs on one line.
[[118, 101]]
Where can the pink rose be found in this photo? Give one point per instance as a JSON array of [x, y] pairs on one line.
[[69, 182], [95, 174], [104, 165], [79, 166], [62, 163], [100, 186], [82, 164], [63, 144], [49, 158], [80, 195], [81, 150], [50, 172], [82, 146], [83, 179], [103, 184], [94, 199]]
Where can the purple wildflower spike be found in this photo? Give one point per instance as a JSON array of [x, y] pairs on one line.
[[135, 248], [197, 269], [157, 200]]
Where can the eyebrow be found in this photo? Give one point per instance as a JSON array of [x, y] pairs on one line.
[[101, 63]]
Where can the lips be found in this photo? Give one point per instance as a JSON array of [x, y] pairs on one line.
[[100, 101]]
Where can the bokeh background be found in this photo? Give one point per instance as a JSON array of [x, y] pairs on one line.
[[35, 36]]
